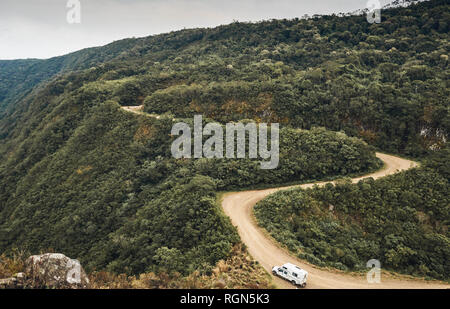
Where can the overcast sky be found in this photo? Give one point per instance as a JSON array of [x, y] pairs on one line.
[[39, 28]]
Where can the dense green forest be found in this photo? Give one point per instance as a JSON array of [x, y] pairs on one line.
[[81, 176], [112, 194], [401, 220]]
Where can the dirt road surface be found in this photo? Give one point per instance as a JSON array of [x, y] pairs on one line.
[[134, 109], [239, 207]]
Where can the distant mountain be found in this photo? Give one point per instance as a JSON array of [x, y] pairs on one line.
[[401, 3], [392, 5], [19, 77]]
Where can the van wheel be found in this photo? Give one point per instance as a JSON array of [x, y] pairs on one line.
[[293, 282], [303, 285]]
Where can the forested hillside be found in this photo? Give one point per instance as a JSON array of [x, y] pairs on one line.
[[81, 176], [386, 83], [99, 183]]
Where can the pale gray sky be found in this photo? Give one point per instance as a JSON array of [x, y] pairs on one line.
[[39, 28]]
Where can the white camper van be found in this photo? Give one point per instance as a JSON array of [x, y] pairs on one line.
[[291, 273]]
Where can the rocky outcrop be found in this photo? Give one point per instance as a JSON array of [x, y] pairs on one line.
[[48, 271], [55, 271]]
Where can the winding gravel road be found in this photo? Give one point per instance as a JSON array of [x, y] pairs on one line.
[[239, 207]]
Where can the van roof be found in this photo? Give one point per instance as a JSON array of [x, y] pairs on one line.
[[289, 265], [293, 267]]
